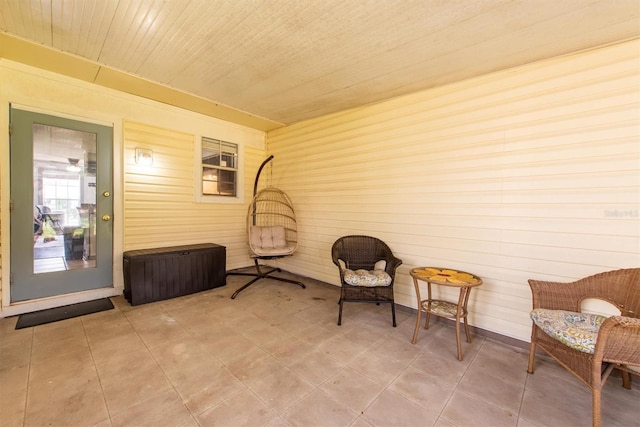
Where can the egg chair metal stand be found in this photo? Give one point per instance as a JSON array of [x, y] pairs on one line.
[[272, 232]]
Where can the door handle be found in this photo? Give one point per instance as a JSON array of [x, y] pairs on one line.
[[106, 217]]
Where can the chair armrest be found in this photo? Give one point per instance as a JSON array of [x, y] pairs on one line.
[[335, 256], [392, 264], [619, 341]]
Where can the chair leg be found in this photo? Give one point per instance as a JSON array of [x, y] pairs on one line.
[[393, 313], [341, 302], [626, 379], [595, 413], [532, 352], [532, 356]]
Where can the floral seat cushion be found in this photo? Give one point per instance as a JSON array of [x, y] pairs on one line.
[[367, 278], [576, 330]]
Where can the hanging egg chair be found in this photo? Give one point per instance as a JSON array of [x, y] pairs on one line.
[[272, 232]]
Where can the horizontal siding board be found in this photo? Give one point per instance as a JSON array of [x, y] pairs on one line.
[[532, 172]]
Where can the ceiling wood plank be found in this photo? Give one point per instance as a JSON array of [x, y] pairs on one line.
[[292, 60]]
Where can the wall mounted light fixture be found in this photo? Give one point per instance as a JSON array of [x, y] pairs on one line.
[[73, 165], [144, 156]]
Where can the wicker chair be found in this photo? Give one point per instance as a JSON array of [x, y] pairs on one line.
[[371, 257], [616, 339]]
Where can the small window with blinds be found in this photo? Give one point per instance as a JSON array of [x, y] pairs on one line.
[[219, 168]]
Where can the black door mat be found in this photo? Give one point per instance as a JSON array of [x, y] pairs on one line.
[[61, 313]]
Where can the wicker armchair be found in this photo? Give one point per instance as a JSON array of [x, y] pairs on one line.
[[615, 340], [367, 271]]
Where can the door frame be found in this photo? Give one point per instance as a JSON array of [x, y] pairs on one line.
[[16, 308]]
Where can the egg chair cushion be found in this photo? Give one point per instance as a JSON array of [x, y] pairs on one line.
[[269, 241]]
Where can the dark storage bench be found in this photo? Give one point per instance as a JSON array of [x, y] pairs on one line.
[[162, 273]]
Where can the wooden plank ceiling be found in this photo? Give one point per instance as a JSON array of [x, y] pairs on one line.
[[267, 63]]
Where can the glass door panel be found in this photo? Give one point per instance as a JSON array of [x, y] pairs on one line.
[[64, 189]]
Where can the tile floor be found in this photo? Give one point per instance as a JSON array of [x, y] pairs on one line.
[[275, 357]]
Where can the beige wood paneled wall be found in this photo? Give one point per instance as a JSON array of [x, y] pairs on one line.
[[533, 172], [160, 208]]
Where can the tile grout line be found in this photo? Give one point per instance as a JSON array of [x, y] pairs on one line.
[[26, 395], [164, 373], [224, 399], [95, 367], [455, 388]]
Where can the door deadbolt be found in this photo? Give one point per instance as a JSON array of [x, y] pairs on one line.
[[106, 194]]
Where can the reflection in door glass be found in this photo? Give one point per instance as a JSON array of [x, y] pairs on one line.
[[64, 205]]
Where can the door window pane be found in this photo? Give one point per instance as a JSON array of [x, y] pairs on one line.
[[64, 199]]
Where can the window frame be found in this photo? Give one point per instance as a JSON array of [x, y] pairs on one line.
[[54, 201], [199, 172]]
